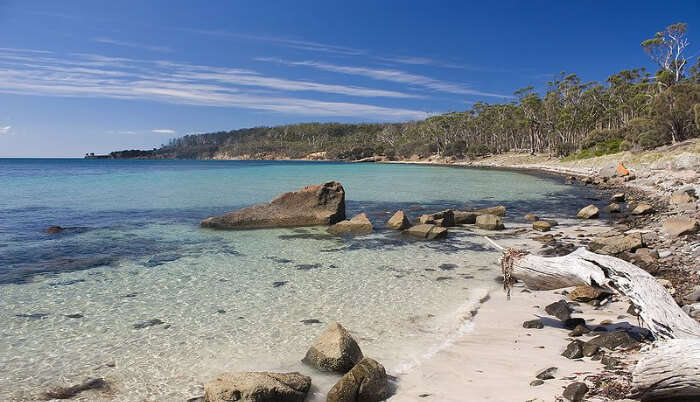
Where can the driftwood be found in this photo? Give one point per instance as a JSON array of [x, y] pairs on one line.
[[668, 368]]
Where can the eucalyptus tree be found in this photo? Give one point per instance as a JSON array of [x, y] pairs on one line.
[[666, 49]]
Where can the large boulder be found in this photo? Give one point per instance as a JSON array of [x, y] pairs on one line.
[[611, 243], [680, 225], [258, 387], [398, 221], [366, 382], [334, 350], [313, 205], [427, 231], [358, 225], [588, 212], [465, 217], [489, 222], [444, 218]]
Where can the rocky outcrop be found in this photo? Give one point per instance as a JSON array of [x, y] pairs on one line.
[[398, 221], [444, 218], [257, 387], [313, 205], [489, 222], [358, 225], [588, 212], [427, 231], [334, 350], [680, 225], [613, 242], [366, 382], [465, 217]]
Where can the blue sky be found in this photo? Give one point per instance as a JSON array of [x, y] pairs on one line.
[[97, 76]]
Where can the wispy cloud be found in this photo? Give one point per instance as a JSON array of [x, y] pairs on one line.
[[116, 42], [163, 131], [391, 75], [85, 75], [5, 130]]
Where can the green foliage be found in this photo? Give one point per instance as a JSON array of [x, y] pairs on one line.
[[606, 147]]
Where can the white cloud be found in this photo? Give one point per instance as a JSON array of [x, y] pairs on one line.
[[389, 75], [163, 131], [86, 75], [5, 130], [116, 42]]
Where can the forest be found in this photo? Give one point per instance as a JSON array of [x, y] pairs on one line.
[[632, 110]]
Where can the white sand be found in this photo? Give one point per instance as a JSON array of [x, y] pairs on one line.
[[499, 359]]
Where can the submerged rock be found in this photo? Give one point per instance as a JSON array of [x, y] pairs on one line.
[[149, 323], [489, 222], [366, 382], [334, 350], [398, 221], [313, 205], [258, 387], [70, 392], [427, 231], [589, 212], [498, 210], [358, 225], [618, 197], [614, 208], [53, 230]]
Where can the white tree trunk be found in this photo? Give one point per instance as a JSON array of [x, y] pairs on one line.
[[667, 369]]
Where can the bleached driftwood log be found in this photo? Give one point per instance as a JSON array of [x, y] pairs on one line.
[[671, 367]]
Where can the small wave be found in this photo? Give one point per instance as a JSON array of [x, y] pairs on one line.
[[458, 323]]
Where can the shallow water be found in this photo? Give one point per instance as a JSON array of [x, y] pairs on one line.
[[136, 292]]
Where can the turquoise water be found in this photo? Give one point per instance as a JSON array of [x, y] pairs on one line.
[[133, 252]]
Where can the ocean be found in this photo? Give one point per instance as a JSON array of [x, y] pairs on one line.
[[133, 290]]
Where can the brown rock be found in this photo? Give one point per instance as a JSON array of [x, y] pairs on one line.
[[334, 350], [584, 294], [531, 217], [542, 226], [399, 221], [642, 209], [680, 225], [427, 231], [366, 382], [498, 210], [465, 217], [257, 387], [489, 222], [313, 205], [616, 244], [358, 225], [618, 197], [588, 212], [614, 208], [683, 196], [53, 230]]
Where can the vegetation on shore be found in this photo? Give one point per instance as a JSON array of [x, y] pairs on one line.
[[632, 110]]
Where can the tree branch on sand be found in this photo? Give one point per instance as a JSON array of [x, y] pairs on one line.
[[668, 368]]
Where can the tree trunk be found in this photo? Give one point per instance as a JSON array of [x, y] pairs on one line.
[[669, 368]]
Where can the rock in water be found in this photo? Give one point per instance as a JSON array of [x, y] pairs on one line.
[[358, 225], [542, 226], [399, 221], [70, 392], [680, 225], [575, 391], [427, 231], [313, 205], [588, 212], [498, 210], [465, 217], [258, 387], [489, 222], [531, 217], [618, 197], [614, 208], [53, 230], [366, 382], [334, 350]]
